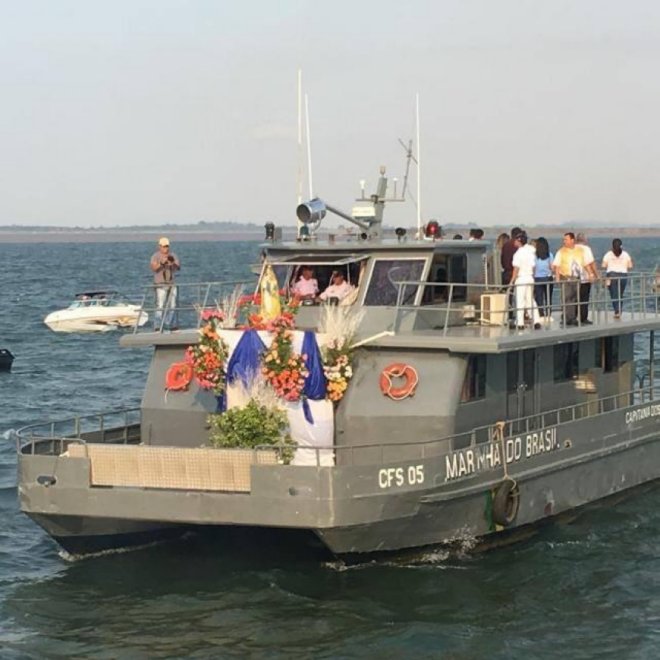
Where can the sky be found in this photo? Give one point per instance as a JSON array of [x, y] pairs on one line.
[[175, 111]]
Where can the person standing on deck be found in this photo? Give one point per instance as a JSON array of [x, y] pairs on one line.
[[522, 279], [543, 278], [616, 263], [567, 266], [506, 259], [589, 274], [164, 265]]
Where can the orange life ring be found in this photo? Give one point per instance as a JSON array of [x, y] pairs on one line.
[[178, 376], [398, 370]]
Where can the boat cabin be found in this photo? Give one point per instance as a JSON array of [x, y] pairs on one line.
[[436, 304], [387, 275]]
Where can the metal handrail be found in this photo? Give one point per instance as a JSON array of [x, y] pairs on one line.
[[74, 428], [485, 434], [479, 436], [192, 299], [640, 299]]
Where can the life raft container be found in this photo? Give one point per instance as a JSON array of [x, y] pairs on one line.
[[397, 371], [178, 376], [506, 502]]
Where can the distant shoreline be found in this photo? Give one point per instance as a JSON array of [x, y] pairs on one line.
[[115, 236], [64, 235]]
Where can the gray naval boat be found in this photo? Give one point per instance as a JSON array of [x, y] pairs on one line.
[[455, 425]]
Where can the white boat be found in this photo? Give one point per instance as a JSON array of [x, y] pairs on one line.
[[96, 311]]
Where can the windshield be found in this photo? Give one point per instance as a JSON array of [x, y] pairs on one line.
[[383, 289]]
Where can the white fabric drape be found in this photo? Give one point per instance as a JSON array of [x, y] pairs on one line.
[[314, 440]]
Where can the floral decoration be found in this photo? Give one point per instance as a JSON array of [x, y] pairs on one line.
[[255, 321], [339, 325], [338, 369], [209, 357], [209, 313], [282, 367]]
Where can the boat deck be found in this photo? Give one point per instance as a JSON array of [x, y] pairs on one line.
[[477, 338], [466, 318]]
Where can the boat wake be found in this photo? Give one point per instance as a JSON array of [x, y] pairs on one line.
[[72, 558], [460, 547]]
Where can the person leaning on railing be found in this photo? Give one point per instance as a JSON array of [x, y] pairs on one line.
[[164, 265], [568, 265]]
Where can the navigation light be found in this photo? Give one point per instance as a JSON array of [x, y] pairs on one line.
[[432, 230]]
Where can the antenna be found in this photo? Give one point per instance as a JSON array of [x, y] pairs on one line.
[[300, 147], [409, 157], [419, 170], [309, 149]]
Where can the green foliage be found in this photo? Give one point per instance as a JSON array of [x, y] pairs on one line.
[[250, 427]]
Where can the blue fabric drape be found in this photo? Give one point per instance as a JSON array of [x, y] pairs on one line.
[[244, 363], [315, 384]]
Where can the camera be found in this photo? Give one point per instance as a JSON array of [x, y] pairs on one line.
[[170, 258]]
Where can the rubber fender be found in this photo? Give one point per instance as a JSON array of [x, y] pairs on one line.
[[506, 503]]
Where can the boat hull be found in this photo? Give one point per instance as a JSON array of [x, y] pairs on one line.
[[96, 319], [83, 535], [360, 509]]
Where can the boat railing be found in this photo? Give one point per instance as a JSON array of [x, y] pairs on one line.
[[185, 302], [114, 426], [123, 427], [460, 303], [481, 436]]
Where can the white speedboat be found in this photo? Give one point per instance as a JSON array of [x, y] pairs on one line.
[[96, 311]]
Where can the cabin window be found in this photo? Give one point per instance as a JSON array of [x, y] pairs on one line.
[[567, 361], [281, 271], [474, 385], [287, 274], [514, 376], [446, 269], [609, 354], [386, 272]]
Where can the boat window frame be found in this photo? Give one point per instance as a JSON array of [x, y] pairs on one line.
[[373, 258], [476, 376], [571, 362], [312, 260], [299, 260], [610, 349], [435, 291]]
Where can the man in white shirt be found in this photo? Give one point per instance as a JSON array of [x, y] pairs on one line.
[[524, 262], [339, 288], [306, 287]]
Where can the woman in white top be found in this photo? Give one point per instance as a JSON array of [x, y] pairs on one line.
[[617, 263]]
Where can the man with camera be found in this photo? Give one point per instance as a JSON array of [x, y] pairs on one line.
[[164, 264]]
